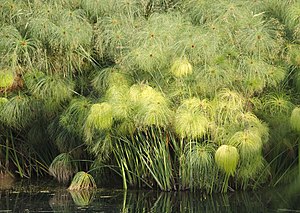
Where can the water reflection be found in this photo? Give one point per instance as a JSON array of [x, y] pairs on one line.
[[61, 200], [82, 197], [194, 202]]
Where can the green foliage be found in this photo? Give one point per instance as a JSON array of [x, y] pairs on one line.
[[253, 172], [248, 142], [15, 48], [6, 78], [292, 19], [190, 120], [199, 166], [73, 118], [82, 180], [17, 112], [181, 68], [148, 90], [278, 103], [102, 147], [145, 160], [65, 139], [53, 90], [251, 123], [38, 140], [295, 119], [201, 157], [227, 158], [117, 95], [152, 107], [100, 116], [3, 101], [62, 167], [293, 55]]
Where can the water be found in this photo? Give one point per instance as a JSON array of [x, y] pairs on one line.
[[47, 197]]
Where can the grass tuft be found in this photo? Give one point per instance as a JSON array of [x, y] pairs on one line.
[[100, 116], [190, 120], [6, 78], [227, 158], [181, 68], [62, 167], [295, 119], [82, 180]]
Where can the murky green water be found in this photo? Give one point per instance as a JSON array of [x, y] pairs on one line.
[[43, 197]]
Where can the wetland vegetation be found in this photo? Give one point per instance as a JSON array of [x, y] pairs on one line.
[[159, 94]]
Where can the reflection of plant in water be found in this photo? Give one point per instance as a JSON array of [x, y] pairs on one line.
[[129, 201], [82, 197], [138, 201], [186, 201], [61, 201]]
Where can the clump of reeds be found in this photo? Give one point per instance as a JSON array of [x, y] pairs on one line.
[[62, 167], [82, 180]]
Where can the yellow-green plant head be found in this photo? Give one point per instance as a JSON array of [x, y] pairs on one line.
[[250, 122], [191, 104], [6, 79], [134, 93], [118, 97], [248, 141], [3, 101], [227, 158], [295, 119], [294, 55], [101, 116], [141, 93], [117, 79], [62, 167], [190, 120], [152, 107], [231, 99], [82, 180], [181, 68], [200, 156]]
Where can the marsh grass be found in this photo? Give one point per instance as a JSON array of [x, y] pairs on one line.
[[190, 119], [179, 94], [62, 167], [227, 158], [73, 118], [26, 164], [17, 111], [295, 118], [7, 78], [82, 180], [199, 166], [248, 142], [100, 118]]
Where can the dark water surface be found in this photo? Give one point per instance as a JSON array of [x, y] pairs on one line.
[[48, 197]]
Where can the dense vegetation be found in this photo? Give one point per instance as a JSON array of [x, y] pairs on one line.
[[168, 94]]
